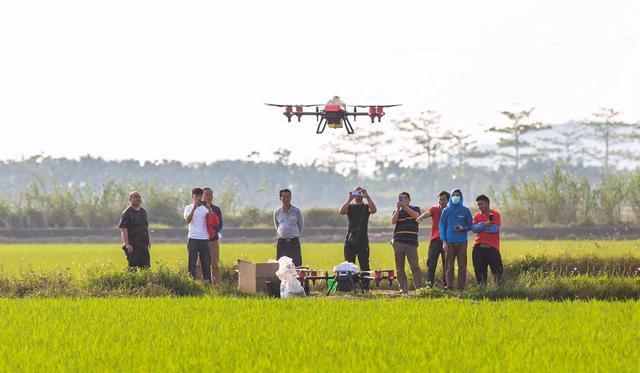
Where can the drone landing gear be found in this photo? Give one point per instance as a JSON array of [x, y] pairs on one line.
[[347, 125], [322, 124]]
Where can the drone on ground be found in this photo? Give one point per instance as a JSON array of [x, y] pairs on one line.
[[334, 114]]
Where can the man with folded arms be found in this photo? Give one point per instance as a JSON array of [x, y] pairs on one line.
[[289, 224]]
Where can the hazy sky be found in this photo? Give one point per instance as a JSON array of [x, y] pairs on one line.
[[149, 80]]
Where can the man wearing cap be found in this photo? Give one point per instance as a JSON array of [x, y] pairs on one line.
[[357, 240]]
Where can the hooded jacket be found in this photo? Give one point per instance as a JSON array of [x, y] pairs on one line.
[[454, 215]]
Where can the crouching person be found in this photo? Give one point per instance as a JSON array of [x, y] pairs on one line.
[[486, 251]]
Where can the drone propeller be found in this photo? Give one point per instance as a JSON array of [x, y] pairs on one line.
[[366, 106], [280, 105]]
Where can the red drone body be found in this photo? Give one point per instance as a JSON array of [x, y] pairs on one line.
[[334, 113]]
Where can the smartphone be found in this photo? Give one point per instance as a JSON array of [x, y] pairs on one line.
[[401, 198]]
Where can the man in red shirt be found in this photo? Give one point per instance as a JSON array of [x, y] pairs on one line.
[[435, 245], [486, 251]]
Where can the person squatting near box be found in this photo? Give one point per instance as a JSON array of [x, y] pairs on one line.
[[195, 214], [134, 229], [357, 241], [289, 225], [405, 241]]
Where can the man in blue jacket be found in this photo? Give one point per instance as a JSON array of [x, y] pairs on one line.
[[455, 222]]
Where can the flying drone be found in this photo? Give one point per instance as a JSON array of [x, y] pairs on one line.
[[334, 113]]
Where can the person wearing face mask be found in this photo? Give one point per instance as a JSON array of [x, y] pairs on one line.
[[486, 251], [455, 222]]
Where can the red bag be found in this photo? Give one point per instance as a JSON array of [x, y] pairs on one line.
[[212, 222]]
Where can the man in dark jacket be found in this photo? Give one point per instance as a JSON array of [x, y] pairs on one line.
[[134, 229], [455, 222]]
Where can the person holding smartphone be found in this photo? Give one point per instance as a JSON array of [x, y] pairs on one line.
[[195, 214], [405, 241], [435, 244], [357, 241], [486, 251], [214, 237], [455, 222]]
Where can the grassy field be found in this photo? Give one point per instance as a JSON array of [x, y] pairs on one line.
[[187, 334], [80, 258]]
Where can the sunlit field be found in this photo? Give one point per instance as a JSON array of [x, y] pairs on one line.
[[224, 334], [79, 258]]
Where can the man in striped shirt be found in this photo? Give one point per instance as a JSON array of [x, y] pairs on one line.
[[405, 241]]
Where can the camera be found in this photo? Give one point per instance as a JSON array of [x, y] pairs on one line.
[[357, 193], [490, 216]]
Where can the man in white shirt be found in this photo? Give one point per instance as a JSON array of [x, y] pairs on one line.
[[198, 244]]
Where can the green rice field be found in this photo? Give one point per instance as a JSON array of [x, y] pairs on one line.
[[304, 335], [221, 331], [80, 258]]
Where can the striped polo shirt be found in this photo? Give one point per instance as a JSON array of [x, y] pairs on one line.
[[407, 227]]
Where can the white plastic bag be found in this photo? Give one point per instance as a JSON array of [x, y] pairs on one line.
[[346, 267], [290, 287]]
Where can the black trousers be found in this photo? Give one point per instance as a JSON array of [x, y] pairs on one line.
[[435, 252], [199, 248], [484, 256], [289, 247], [352, 251], [139, 257]]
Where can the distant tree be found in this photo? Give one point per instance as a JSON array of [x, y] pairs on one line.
[[253, 155], [282, 156], [608, 130], [460, 147], [564, 144], [352, 149], [424, 131], [514, 134], [229, 198]]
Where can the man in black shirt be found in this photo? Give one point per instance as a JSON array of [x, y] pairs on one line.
[[134, 229], [357, 241]]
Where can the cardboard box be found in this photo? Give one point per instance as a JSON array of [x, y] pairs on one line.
[[252, 277]]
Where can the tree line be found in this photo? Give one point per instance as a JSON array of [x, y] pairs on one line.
[[603, 140], [558, 198]]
